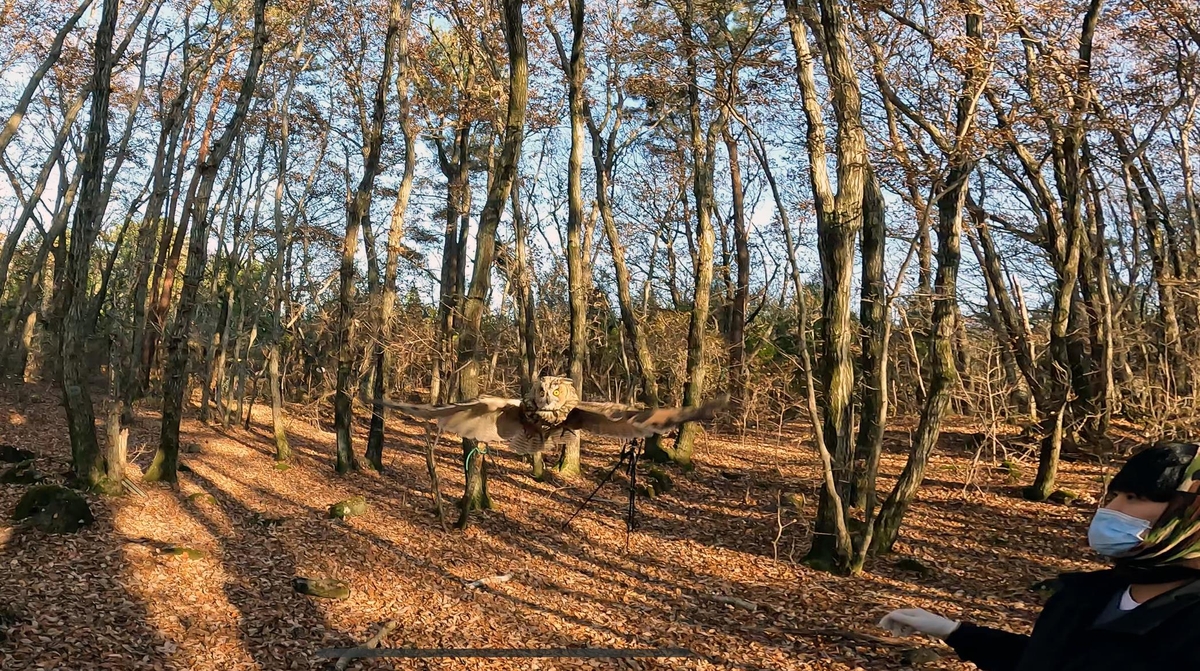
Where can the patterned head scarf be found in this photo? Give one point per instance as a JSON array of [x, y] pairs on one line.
[[1175, 537]]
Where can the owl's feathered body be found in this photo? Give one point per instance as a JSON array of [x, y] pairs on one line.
[[550, 414]]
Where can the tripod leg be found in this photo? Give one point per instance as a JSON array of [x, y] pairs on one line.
[[624, 456]]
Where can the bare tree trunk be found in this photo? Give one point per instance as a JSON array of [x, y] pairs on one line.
[[806, 364], [168, 141], [578, 284], [1020, 393], [1189, 188], [358, 211], [458, 176], [116, 452], [839, 218], [873, 317], [578, 234], [470, 345], [633, 327], [43, 361], [526, 327], [1101, 306], [941, 346], [387, 302], [166, 459], [1014, 324], [703, 149], [218, 343], [77, 326], [283, 235], [171, 248], [741, 290]]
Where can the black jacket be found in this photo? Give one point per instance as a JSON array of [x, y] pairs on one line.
[[1162, 634]]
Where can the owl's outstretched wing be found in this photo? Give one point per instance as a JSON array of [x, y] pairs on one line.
[[487, 419], [620, 421]]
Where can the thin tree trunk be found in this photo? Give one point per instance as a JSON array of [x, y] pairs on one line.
[[168, 140], [1101, 306], [358, 211], [470, 345], [218, 343], [116, 452], [1020, 390], [38, 365], [56, 48], [283, 449], [703, 150], [873, 318], [1189, 188], [806, 364], [576, 281], [387, 302], [175, 377], [633, 327], [741, 290], [578, 235], [77, 326], [941, 348], [1013, 314], [527, 327], [171, 248], [458, 177]]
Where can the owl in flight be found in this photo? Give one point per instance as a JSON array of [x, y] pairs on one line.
[[550, 414]]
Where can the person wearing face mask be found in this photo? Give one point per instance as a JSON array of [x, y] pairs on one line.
[[1142, 614]]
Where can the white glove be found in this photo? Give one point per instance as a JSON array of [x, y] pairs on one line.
[[905, 621]]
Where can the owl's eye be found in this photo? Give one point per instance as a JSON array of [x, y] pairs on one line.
[[556, 392]]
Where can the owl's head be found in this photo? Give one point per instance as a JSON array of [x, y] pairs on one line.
[[554, 393]]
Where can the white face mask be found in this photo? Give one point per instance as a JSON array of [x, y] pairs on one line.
[[1114, 533]]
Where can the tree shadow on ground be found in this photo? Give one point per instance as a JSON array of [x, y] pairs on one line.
[[68, 601], [603, 596], [278, 626], [534, 612]]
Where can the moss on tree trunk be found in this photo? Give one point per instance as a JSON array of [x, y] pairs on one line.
[[680, 454], [165, 466]]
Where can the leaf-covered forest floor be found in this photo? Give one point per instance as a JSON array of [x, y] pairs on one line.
[[106, 598]]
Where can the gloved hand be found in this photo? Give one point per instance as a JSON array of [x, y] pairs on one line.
[[905, 621]]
